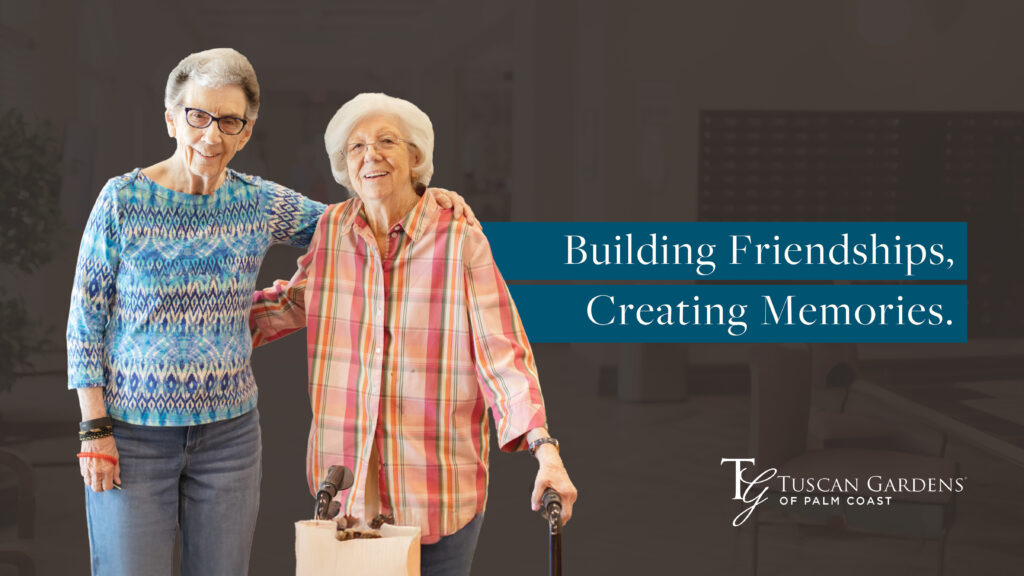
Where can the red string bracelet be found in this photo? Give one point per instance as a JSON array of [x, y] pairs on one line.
[[98, 456]]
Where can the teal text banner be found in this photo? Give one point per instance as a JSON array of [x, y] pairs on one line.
[[743, 313], [764, 251]]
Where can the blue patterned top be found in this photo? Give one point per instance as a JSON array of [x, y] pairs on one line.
[[160, 305]]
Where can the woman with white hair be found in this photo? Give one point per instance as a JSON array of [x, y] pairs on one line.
[[158, 344], [414, 336]]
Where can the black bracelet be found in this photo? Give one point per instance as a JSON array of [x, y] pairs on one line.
[[95, 423], [540, 442]]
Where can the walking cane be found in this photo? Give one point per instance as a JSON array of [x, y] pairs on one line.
[[338, 478], [551, 509]]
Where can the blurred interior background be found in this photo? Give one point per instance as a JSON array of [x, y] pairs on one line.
[[597, 110]]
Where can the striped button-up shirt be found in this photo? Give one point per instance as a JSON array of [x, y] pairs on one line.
[[407, 351]]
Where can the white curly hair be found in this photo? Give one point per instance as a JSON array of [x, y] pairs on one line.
[[416, 129]]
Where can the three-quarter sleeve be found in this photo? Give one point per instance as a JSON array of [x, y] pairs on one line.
[[291, 216], [280, 310], [506, 369], [93, 291]]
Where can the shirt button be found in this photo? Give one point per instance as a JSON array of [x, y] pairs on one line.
[[379, 350], [394, 234]]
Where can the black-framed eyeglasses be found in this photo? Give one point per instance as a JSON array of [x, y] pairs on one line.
[[385, 143], [229, 125]]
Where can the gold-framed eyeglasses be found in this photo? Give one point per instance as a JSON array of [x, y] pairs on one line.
[[386, 143], [229, 125]]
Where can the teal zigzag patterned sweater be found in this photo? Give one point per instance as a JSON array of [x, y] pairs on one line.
[[160, 305]]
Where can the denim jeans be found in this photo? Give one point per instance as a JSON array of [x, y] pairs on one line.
[[453, 554], [205, 479]]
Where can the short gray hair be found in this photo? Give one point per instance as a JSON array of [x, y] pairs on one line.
[[416, 131], [213, 69]]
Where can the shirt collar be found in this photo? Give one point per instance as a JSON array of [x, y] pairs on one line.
[[414, 223]]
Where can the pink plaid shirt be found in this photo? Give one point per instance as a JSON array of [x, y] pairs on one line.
[[407, 352]]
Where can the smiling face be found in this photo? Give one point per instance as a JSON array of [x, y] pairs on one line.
[[205, 152], [380, 175]]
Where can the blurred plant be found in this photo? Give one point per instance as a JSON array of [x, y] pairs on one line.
[[29, 223]]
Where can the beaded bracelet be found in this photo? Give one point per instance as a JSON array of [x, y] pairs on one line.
[[95, 434]]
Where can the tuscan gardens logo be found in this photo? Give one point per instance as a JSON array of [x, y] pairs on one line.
[[875, 490]]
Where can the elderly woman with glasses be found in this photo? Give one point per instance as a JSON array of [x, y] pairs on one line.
[[413, 336], [158, 341]]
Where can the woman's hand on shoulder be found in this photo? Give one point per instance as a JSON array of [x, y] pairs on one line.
[[457, 204]]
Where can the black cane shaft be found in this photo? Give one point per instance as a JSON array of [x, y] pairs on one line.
[[555, 553]]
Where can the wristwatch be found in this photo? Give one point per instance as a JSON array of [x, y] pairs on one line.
[[540, 442]]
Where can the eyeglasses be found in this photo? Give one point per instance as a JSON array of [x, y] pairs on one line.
[[385, 143], [231, 126]]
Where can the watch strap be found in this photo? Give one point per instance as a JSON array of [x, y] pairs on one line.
[[542, 441]]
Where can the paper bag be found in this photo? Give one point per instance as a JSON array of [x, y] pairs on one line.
[[318, 553]]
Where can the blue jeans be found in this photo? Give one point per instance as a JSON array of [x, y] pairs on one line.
[[453, 554], [204, 479]]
